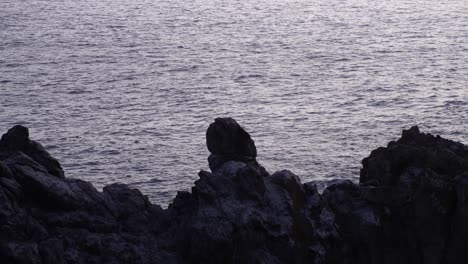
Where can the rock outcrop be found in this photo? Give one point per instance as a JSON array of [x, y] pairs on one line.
[[228, 141], [17, 139], [410, 206], [45, 218]]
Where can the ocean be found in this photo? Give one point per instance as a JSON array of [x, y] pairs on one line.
[[123, 91]]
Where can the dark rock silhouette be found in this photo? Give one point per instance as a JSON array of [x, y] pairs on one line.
[[411, 207], [227, 140], [17, 139], [226, 137]]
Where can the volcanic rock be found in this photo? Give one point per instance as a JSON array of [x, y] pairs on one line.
[[410, 207], [226, 137], [227, 140], [17, 139]]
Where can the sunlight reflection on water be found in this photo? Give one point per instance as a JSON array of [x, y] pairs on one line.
[[123, 91]]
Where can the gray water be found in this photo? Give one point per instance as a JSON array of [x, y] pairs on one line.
[[123, 91]]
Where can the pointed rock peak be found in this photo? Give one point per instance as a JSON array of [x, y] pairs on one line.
[[17, 137], [226, 137]]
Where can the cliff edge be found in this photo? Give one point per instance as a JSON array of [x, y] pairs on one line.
[[410, 206]]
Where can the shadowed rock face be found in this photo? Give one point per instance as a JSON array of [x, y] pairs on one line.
[[17, 139], [385, 166], [227, 140], [226, 137], [411, 207]]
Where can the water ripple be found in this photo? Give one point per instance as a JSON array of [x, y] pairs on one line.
[[123, 91]]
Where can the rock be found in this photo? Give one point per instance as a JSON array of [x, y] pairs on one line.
[[51, 251], [226, 137], [409, 207], [243, 217], [227, 140], [457, 249], [410, 196], [385, 165], [49, 219], [17, 139], [20, 253]]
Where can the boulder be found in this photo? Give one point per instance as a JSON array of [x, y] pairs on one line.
[[226, 137], [227, 140], [17, 140]]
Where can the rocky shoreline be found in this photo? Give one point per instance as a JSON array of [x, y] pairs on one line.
[[410, 206]]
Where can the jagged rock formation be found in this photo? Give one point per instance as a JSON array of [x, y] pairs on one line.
[[45, 218], [17, 140], [410, 207]]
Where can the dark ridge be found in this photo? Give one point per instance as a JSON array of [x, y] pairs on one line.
[[409, 207]]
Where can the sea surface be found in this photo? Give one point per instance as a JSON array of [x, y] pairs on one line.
[[124, 90]]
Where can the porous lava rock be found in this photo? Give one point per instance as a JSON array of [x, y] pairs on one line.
[[410, 207]]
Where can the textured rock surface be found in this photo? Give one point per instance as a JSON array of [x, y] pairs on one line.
[[410, 207], [45, 218], [17, 139]]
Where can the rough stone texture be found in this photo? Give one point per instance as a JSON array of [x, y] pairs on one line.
[[411, 207], [416, 189], [17, 139], [49, 219]]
